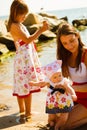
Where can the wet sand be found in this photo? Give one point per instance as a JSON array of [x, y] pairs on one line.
[[9, 112]]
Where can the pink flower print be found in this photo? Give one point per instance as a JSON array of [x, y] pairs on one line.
[[49, 68], [52, 99], [32, 69], [55, 66], [63, 99], [38, 70], [27, 47], [56, 104], [26, 86], [33, 77], [67, 94], [21, 78], [20, 71], [46, 103], [25, 72], [44, 68], [48, 94]]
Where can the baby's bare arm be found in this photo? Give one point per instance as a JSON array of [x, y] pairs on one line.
[[39, 84], [70, 90]]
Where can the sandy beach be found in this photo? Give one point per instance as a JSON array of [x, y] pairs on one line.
[[9, 111], [9, 114]]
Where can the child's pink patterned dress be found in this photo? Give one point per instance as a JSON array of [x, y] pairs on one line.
[[26, 68]]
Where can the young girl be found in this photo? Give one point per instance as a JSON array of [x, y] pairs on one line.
[[73, 53], [26, 59], [60, 94]]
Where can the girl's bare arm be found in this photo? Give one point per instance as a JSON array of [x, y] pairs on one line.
[[39, 84], [18, 33]]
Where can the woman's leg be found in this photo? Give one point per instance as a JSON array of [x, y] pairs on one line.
[[27, 101], [51, 119], [77, 117]]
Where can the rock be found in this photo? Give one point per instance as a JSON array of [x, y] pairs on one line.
[[47, 35], [78, 22], [33, 28], [31, 19], [48, 15], [3, 107], [8, 42], [81, 27], [3, 49]]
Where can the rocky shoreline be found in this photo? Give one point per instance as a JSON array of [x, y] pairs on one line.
[[33, 22]]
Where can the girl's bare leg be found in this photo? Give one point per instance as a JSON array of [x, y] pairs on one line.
[[27, 101], [21, 109], [77, 117], [61, 120], [21, 105]]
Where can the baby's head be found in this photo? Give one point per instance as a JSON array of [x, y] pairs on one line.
[[56, 77], [53, 71]]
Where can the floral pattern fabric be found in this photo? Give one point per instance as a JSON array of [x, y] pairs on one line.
[[26, 68], [58, 103]]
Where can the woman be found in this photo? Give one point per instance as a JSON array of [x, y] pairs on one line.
[[26, 64], [73, 54]]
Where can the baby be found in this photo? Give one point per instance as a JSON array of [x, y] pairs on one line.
[[60, 95]]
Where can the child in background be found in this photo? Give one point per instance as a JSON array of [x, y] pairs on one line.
[[60, 94]]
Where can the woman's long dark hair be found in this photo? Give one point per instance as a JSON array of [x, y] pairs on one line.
[[62, 53], [18, 7]]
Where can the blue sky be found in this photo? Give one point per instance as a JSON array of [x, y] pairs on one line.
[[36, 5]]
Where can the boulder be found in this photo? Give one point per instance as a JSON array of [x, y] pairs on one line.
[[31, 19], [47, 35], [8, 42], [78, 22]]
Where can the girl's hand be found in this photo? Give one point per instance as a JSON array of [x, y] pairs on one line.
[[45, 26], [31, 83]]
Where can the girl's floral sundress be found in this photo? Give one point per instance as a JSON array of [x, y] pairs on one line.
[[26, 68]]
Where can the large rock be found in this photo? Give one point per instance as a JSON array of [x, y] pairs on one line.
[[78, 22], [3, 49], [31, 19], [47, 35], [8, 42]]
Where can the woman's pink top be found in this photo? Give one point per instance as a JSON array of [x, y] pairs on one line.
[[79, 78]]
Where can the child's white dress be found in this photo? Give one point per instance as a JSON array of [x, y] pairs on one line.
[[26, 68]]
